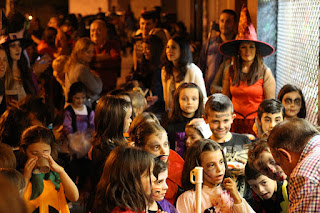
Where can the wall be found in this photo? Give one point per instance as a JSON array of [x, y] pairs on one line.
[[183, 12], [85, 8]]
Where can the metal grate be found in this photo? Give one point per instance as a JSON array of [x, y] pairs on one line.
[[298, 49]]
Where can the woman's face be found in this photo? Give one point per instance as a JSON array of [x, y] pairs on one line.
[[173, 51], [292, 103], [15, 50], [147, 180], [158, 145], [213, 167], [127, 120], [3, 63], [247, 51], [146, 51], [86, 55]]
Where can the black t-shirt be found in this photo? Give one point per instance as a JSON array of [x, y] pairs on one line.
[[235, 150]]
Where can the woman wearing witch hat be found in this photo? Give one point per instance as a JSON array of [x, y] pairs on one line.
[[248, 81]]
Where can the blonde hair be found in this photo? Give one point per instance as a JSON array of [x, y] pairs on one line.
[[81, 45]]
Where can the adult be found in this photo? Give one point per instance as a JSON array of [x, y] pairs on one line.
[[150, 75], [107, 60], [61, 39], [248, 81], [147, 22], [77, 70], [210, 57], [19, 78], [3, 69], [178, 68], [295, 145]]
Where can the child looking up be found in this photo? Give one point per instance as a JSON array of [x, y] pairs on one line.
[[268, 195], [50, 190], [219, 192], [159, 189], [219, 115], [187, 104], [293, 100], [270, 112]]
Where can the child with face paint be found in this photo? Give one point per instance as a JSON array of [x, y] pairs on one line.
[[293, 100], [159, 189], [219, 115], [152, 137], [260, 157], [219, 192]]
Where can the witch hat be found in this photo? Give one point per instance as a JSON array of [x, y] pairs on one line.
[[7, 38], [246, 32]]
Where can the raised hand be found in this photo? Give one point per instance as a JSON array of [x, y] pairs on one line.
[[231, 187]]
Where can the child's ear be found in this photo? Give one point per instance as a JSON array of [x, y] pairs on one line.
[[285, 154], [233, 116]]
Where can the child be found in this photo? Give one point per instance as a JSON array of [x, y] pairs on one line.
[[159, 189], [270, 112], [50, 190], [126, 181], [78, 127], [268, 195], [7, 157], [260, 157], [178, 68], [293, 101], [15, 177], [151, 137], [10, 200], [219, 115], [188, 104], [219, 192], [78, 118], [112, 119], [139, 102], [137, 121], [195, 130]]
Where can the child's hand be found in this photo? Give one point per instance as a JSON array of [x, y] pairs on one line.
[[238, 171], [28, 168], [231, 187], [53, 165]]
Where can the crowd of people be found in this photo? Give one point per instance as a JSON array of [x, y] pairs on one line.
[[68, 133]]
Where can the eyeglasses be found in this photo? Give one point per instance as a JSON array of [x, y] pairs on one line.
[[296, 101]]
